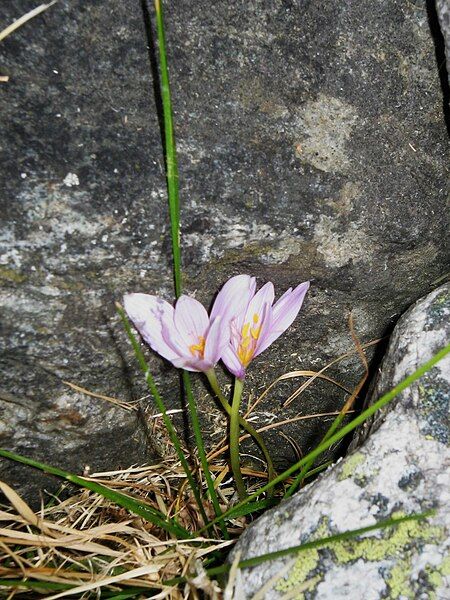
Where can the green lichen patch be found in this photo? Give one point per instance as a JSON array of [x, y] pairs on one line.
[[12, 276], [430, 579], [305, 566], [350, 465], [434, 407], [300, 571], [398, 545], [398, 580], [438, 311], [436, 575]]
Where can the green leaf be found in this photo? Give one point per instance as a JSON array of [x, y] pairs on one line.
[[170, 149], [129, 593], [241, 511], [45, 586]]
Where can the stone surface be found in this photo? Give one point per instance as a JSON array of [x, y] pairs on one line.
[[443, 11], [402, 468], [312, 146]]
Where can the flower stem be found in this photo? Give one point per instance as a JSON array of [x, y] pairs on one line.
[[201, 451], [234, 439], [211, 375]]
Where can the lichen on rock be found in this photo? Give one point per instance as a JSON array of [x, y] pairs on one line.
[[402, 467]]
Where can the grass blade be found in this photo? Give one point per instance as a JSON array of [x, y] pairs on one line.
[[170, 150], [143, 510], [37, 585], [385, 399], [202, 454], [342, 414], [162, 409], [174, 210], [332, 539], [241, 511]]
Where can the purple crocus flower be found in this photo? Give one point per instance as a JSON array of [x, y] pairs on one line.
[[255, 322], [184, 335]]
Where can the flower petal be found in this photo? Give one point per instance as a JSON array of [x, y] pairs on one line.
[[283, 314], [266, 328], [287, 307], [233, 298], [217, 339], [233, 363], [147, 314], [190, 364], [256, 306], [191, 319]]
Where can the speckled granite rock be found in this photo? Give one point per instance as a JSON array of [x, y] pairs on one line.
[[403, 467], [312, 146]]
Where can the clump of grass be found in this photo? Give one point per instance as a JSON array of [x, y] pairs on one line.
[[140, 531]]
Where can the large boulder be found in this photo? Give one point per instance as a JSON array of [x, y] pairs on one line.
[[312, 146], [402, 468]]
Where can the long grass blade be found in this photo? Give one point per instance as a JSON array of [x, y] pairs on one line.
[[342, 414], [170, 150], [143, 510], [174, 210], [35, 585], [132, 593], [241, 511], [385, 399], [332, 539]]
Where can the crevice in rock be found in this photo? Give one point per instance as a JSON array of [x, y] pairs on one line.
[[439, 51]]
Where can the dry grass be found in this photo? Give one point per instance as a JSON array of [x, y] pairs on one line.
[[100, 550], [88, 541], [24, 18]]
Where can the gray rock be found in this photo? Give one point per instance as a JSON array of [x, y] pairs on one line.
[[402, 468], [443, 11], [312, 146]]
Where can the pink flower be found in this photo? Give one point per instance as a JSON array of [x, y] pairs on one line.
[[254, 322], [184, 335]]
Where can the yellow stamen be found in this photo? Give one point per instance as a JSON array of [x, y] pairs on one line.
[[245, 355], [255, 332], [245, 342], [247, 346], [198, 348]]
